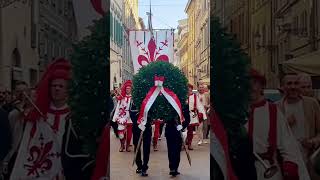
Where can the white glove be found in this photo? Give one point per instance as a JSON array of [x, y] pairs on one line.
[[142, 127], [179, 127]]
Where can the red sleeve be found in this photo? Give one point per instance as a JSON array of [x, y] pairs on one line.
[[290, 171]]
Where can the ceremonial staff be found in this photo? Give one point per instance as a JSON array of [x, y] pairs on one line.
[[33, 104], [138, 147], [184, 145]]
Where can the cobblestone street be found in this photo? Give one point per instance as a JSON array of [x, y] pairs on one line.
[[122, 169]]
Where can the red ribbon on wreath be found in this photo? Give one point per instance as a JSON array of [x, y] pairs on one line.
[[151, 97]]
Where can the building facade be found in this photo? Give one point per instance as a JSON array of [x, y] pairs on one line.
[[202, 43], [296, 33], [182, 46], [261, 38], [191, 12], [57, 30], [116, 42], [131, 21], [32, 34], [198, 12], [176, 56]]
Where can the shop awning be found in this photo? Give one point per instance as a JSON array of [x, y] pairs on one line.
[[309, 63]]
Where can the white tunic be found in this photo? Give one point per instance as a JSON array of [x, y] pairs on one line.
[[296, 110], [286, 144], [122, 115], [40, 157], [193, 117]]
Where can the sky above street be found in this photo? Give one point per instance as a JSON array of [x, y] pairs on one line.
[[166, 13]]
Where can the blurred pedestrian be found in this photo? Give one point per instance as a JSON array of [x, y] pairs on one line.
[[271, 136], [204, 98], [16, 119], [303, 116], [197, 115]]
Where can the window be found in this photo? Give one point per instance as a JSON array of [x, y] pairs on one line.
[[304, 22], [33, 77], [16, 58], [264, 35]]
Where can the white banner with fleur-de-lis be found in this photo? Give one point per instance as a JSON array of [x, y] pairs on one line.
[[145, 49]]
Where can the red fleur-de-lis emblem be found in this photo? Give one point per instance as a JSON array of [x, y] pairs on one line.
[[40, 159], [122, 111], [153, 53]]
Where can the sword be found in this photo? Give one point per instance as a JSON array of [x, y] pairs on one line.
[[270, 171], [184, 146], [186, 149], [33, 104], [138, 148]]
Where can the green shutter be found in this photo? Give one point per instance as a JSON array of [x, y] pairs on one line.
[[117, 30], [111, 26], [121, 32]]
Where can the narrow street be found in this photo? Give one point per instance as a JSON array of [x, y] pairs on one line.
[[122, 169]]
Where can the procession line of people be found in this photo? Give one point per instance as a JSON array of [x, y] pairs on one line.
[[126, 114]]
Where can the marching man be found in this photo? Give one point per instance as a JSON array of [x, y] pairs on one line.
[[44, 152], [122, 117], [197, 113], [271, 138]]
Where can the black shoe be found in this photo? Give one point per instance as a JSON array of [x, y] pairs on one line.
[[174, 173], [138, 171], [144, 173]]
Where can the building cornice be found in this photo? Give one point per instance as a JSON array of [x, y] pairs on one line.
[[188, 5]]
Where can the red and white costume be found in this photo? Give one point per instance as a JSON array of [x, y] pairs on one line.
[[122, 115], [196, 110], [39, 155], [156, 132], [272, 138]]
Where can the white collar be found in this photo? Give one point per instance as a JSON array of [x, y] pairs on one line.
[[61, 108]]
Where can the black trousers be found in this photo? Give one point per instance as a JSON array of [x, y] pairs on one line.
[[161, 129], [146, 140], [174, 143]]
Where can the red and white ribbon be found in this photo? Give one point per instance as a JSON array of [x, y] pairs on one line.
[[152, 96]]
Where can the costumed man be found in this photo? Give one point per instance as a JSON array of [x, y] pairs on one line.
[[303, 116], [142, 165], [156, 133], [49, 142], [204, 98], [173, 130], [122, 117], [197, 114], [271, 138]]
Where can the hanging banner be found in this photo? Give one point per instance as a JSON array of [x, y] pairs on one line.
[[145, 49]]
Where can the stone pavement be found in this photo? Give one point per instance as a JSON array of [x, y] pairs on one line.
[[122, 169]]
